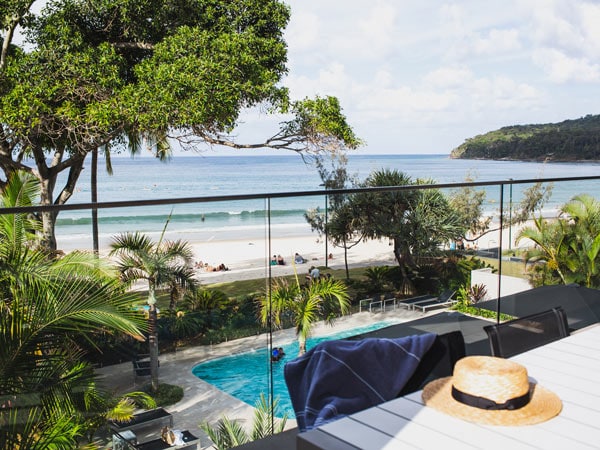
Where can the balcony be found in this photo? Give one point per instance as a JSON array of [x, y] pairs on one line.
[[246, 233]]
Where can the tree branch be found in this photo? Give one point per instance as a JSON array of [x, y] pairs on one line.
[[134, 45]]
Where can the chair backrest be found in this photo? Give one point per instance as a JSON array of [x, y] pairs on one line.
[[519, 335], [446, 295], [438, 362]]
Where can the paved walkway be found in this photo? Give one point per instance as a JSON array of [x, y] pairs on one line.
[[204, 402]]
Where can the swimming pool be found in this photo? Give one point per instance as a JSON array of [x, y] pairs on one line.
[[246, 375]]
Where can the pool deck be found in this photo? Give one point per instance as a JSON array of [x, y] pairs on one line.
[[204, 402]]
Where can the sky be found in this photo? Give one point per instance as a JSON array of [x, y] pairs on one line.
[[420, 77]]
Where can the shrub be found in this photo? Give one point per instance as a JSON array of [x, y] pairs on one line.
[[167, 394]]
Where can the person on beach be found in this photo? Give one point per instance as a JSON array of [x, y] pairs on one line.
[[314, 273], [280, 260], [274, 260], [298, 259]]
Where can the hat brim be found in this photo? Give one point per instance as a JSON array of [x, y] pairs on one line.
[[542, 406]]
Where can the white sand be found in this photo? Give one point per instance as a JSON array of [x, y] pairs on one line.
[[250, 259]]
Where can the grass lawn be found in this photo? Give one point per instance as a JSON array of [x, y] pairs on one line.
[[244, 287], [509, 268]]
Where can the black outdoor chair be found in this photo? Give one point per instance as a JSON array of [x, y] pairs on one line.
[[141, 366], [519, 335], [438, 362]]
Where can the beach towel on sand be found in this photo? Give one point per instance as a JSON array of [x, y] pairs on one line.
[[341, 377]]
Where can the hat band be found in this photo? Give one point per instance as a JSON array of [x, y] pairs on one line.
[[490, 405]]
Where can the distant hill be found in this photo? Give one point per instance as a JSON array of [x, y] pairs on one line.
[[571, 140]]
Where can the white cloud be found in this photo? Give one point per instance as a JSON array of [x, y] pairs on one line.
[[377, 30], [456, 68], [302, 33], [561, 68], [566, 40], [502, 93], [497, 41], [449, 77]]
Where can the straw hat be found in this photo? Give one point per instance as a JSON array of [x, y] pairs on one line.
[[492, 391]]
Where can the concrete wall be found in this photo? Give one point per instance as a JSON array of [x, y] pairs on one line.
[[508, 285]]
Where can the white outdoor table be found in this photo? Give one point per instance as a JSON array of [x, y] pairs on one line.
[[569, 367]]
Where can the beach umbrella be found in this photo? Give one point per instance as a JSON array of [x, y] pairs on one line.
[[581, 304]]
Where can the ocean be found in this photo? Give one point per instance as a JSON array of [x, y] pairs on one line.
[[203, 176]]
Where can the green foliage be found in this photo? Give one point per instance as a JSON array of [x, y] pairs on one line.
[[49, 307], [467, 308], [322, 123], [165, 395], [377, 277], [322, 299], [101, 407], [162, 263], [570, 140], [418, 221], [468, 203], [566, 250], [115, 74], [229, 433], [179, 325]]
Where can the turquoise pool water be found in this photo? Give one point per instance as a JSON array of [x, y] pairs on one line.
[[246, 375]]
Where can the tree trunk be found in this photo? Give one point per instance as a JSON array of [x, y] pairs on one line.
[[301, 346], [153, 347], [346, 260], [403, 257], [94, 189], [48, 217], [48, 177], [153, 338]]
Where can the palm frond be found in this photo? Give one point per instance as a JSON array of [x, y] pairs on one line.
[[226, 434]]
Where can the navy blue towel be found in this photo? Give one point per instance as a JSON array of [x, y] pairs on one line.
[[340, 377]]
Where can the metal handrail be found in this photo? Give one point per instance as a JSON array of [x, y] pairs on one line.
[[271, 195]]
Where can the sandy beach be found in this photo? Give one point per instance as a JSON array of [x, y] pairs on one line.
[[250, 259]]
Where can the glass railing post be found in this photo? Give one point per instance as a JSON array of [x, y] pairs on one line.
[[271, 397], [500, 251]]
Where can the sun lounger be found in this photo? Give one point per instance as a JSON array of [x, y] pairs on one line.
[[373, 302], [445, 299], [128, 441], [389, 298], [158, 416], [408, 302]]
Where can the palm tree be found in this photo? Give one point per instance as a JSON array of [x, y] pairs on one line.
[[549, 238], [569, 246], [48, 305], [583, 214], [229, 433], [322, 299], [100, 406], [417, 222], [162, 264]]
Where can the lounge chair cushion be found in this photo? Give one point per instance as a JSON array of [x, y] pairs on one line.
[[341, 377]]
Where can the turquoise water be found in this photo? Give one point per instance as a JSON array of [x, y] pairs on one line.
[[245, 375], [198, 176]]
